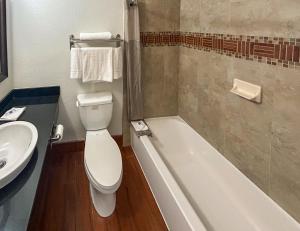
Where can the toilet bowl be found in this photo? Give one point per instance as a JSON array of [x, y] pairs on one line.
[[102, 156], [103, 166]]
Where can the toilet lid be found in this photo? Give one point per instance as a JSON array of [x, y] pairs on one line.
[[103, 158]]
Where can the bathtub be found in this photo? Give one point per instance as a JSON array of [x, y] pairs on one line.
[[196, 188]]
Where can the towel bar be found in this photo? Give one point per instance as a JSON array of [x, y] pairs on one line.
[[74, 40]]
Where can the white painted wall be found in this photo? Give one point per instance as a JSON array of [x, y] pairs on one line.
[[40, 51], [5, 87]]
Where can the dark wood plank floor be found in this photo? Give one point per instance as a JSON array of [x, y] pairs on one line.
[[63, 200]]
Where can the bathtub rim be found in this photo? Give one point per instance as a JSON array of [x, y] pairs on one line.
[[187, 211], [265, 196]]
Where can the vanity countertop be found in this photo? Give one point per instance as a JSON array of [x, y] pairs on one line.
[[17, 198]]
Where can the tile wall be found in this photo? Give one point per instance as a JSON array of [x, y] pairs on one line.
[[279, 51], [262, 140], [160, 64], [213, 42]]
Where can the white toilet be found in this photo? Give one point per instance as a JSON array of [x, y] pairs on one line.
[[102, 156]]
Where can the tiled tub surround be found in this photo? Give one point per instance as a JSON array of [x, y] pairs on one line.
[[262, 140], [160, 80], [160, 64], [271, 50], [159, 77]]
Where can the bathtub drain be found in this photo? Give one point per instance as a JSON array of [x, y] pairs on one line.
[[2, 163]]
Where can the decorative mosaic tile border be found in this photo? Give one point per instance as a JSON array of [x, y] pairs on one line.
[[283, 52], [161, 38]]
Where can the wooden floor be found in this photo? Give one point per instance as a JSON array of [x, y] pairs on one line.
[[63, 200]]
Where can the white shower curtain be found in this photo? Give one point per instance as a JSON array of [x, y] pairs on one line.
[[133, 63]]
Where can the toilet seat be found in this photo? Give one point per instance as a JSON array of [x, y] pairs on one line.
[[103, 161]]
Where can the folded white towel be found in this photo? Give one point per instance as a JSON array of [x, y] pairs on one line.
[[97, 64], [118, 62], [76, 63], [94, 36]]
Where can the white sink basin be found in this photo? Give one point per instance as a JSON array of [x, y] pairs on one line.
[[17, 143]]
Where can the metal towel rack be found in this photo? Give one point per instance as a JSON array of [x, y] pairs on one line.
[[74, 40]]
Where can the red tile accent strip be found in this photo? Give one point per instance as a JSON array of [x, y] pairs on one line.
[[160, 39], [283, 52]]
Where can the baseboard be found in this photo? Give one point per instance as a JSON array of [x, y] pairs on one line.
[[78, 145]]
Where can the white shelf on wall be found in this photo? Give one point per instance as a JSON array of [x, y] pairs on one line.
[[247, 90]]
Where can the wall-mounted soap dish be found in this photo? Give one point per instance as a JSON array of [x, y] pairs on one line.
[[247, 90]]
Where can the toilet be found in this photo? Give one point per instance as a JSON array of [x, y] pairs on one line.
[[102, 156]]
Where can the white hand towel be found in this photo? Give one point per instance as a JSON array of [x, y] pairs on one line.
[[94, 36], [97, 64], [118, 62], [76, 63]]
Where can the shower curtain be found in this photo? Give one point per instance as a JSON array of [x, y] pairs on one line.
[[133, 63]]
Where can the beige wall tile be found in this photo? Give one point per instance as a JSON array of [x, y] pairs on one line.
[[224, 119], [187, 86], [268, 17], [160, 64], [262, 140], [255, 17], [285, 159], [190, 15], [151, 15], [249, 160], [214, 16], [160, 74], [248, 17], [159, 15]]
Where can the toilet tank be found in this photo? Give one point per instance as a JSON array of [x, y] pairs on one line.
[[95, 110]]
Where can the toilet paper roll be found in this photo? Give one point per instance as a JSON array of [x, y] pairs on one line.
[[59, 132]]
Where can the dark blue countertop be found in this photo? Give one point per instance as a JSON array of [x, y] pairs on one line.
[[17, 198]]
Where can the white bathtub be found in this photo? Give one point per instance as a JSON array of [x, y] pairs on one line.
[[196, 188]]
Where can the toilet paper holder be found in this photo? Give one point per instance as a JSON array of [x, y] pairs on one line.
[[57, 133]]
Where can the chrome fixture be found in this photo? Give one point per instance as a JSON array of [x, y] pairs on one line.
[[117, 39], [132, 2]]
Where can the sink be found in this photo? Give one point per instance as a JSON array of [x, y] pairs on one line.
[[17, 143]]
